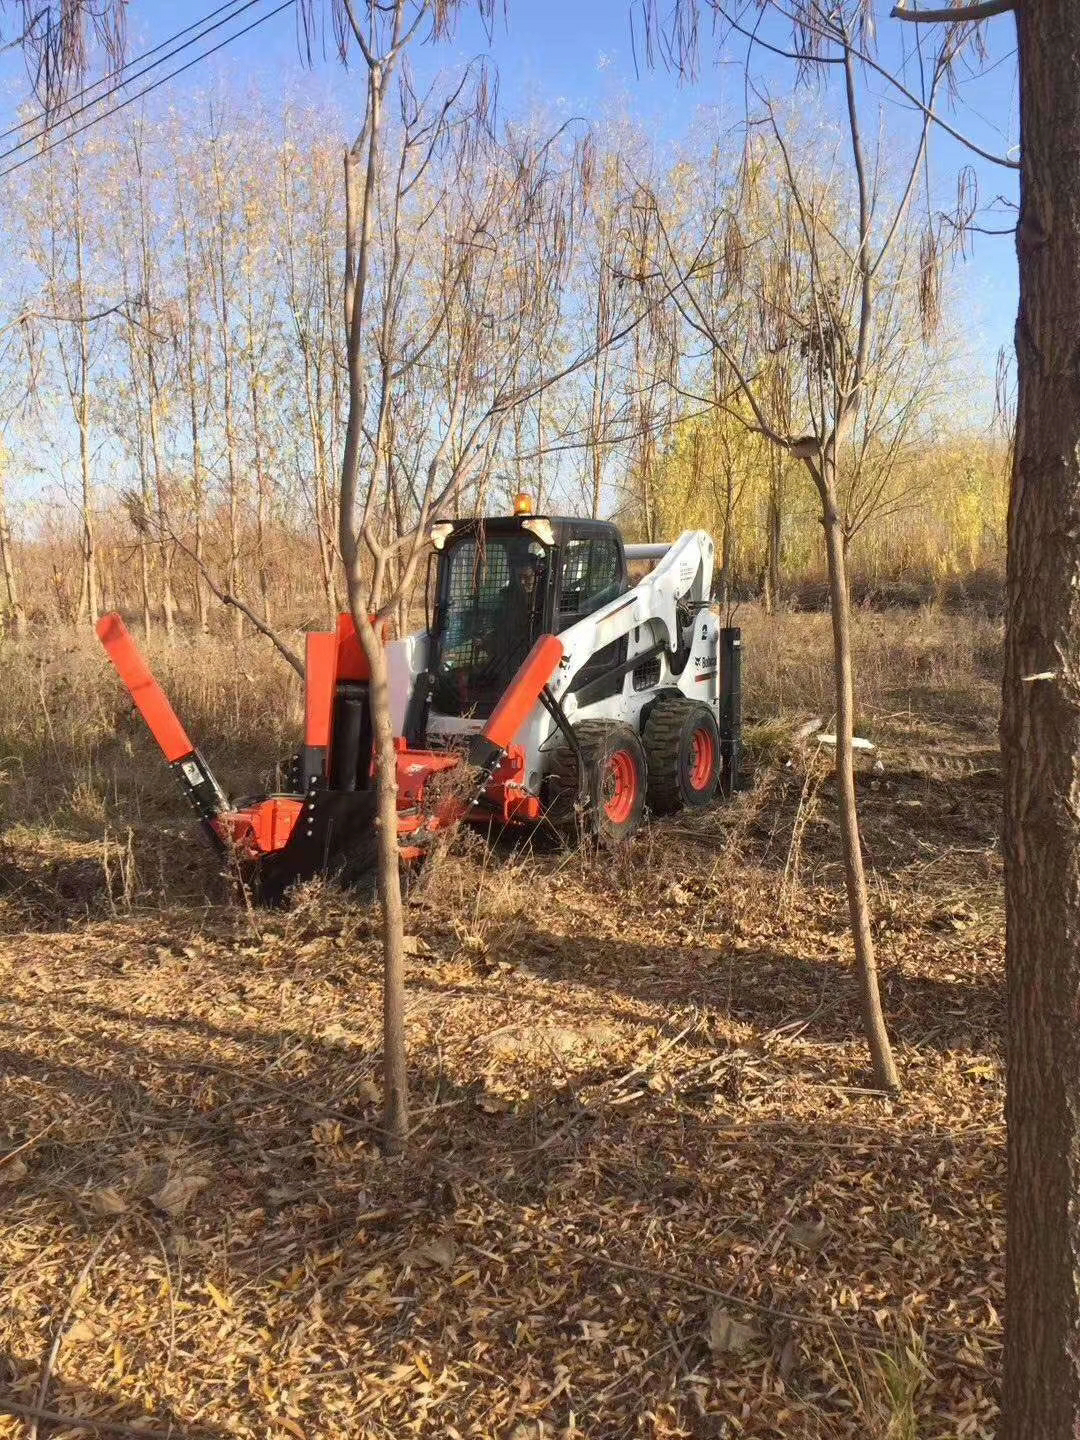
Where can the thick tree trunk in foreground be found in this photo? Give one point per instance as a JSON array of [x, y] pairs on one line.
[[1040, 735], [877, 1036]]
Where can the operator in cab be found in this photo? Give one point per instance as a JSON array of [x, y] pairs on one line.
[[522, 605]]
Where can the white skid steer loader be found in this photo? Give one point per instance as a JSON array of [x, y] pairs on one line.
[[579, 697]]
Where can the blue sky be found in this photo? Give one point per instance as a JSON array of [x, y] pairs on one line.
[[577, 57]]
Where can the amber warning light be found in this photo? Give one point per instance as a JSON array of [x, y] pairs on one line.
[[523, 504]]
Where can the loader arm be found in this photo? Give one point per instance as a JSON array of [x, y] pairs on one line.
[[681, 578]]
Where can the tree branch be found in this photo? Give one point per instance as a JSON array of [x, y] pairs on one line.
[[226, 597], [89, 1422], [865, 58], [955, 15]]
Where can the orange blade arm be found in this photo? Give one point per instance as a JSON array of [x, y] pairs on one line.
[[147, 694], [320, 675], [523, 691]]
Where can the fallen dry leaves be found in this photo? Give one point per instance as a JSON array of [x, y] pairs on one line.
[[648, 1192]]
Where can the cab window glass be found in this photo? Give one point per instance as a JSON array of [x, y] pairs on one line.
[[590, 576]]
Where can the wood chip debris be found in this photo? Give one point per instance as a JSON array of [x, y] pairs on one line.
[[649, 1190]]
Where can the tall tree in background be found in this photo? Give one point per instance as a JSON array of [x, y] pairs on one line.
[[57, 41], [147, 325], [286, 244], [193, 343], [13, 604], [606, 238], [60, 247], [310, 213], [18, 376], [834, 302], [222, 263], [258, 303]]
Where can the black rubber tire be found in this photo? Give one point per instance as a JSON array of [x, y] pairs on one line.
[[672, 738], [604, 744]]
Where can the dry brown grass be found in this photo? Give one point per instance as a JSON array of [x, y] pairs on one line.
[[66, 723], [926, 660], [648, 1192], [927, 682]]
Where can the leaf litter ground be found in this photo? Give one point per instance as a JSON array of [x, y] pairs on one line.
[[649, 1190]]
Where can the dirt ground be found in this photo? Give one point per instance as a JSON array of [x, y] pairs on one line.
[[649, 1190]]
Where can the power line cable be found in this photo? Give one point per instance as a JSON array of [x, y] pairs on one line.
[[70, 115], [146, 90]]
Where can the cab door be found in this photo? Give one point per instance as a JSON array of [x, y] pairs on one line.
[[592, 573]]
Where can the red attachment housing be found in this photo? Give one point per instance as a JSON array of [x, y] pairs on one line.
[[261, 828], [352, 663], [320, 677], [415, 768]]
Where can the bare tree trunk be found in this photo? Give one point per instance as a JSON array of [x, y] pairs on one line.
[[233, 570], [322, 502], [1040, 737], [262, 498], [89, 608], [198, 481], [262, 507], [148, 340], [107, 572], [142, 509], [727, 543], [597, 466], [773, 539], [330, 495], [221, 283], [327, 559], [395, 1076], [144, 585], [646, 438], [877, 1036], [202, 601], [88, 605], [15, 607], [598, 400], [727, 539], [359, 229], [168, 600]]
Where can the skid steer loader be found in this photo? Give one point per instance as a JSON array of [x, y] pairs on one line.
[[569, 694]]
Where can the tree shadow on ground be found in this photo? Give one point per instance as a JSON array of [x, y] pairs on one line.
[[615, 1136], [773, 989], [594, 1222]]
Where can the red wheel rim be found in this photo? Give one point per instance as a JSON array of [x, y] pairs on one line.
[[702, 759], [620, 787]]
